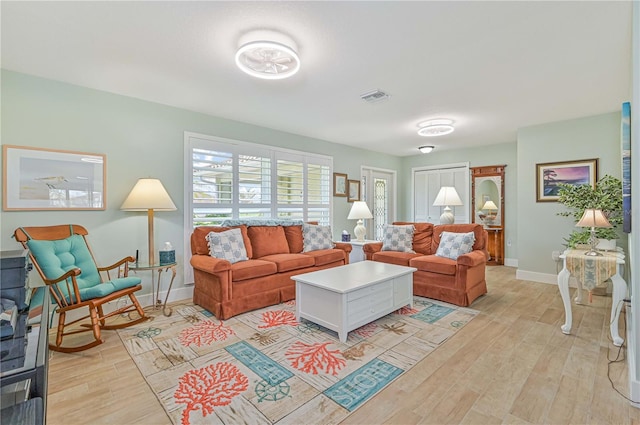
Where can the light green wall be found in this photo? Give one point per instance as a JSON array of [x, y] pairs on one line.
[[144, 139], [540, 230], [504, 153], [140, 139]]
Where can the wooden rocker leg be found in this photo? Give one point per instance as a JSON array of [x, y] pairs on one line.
[[60, 334], [101, 315]]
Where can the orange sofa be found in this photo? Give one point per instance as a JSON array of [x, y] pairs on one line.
[[458, 281], [275, 254]]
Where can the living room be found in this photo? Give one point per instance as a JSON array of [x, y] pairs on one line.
[[140, 137]]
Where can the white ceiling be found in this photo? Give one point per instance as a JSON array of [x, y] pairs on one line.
[[493, 67]]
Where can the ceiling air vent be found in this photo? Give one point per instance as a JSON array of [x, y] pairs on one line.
[[374, 96]]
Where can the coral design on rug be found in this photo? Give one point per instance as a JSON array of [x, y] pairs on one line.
[[406, 311], [264, 367], [311, 358], [278, 318], [204, 333], [367, 330], [211, 386]]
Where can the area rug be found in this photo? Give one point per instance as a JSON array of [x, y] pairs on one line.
[[264, 367]]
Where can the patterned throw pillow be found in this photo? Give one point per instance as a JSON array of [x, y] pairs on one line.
[[398, 238], [453, 245], [227, 245], [316, 237]]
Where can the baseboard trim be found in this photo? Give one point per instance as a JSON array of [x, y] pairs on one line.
[[537, 277], [511, 262]]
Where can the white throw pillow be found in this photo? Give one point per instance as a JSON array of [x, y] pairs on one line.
[[398, 238], [452, 245], [316, 237], [227, 245]]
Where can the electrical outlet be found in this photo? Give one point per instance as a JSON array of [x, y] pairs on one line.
[[508, 242], [555, 256]]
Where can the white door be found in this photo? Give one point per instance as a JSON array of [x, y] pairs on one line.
[[379, 191], [427, 182]]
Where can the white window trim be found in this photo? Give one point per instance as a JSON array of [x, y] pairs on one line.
[[189, 144]]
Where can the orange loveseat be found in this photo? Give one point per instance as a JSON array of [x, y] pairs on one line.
[[275, 254], [454, 281]]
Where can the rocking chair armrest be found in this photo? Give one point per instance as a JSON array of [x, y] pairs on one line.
[[70, 274], [128, 259]]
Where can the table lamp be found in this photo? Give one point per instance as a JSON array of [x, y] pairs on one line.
[[492, 211], [593, 218], [359, 211], [447, 196], [149, 195]]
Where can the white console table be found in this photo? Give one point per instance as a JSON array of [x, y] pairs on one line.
[[589, 271]]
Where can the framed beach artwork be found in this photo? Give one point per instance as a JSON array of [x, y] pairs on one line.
[[549, 175], [48, 179], [625, 137]]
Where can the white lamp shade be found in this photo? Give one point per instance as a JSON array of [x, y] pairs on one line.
[[593, 218], [489, 205], [148, 194], [359, 210], [447, 196]]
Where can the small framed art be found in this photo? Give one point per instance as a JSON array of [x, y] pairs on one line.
[[354, 190], [339, 184]]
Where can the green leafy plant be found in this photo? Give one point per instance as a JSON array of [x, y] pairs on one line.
[[606, 196]]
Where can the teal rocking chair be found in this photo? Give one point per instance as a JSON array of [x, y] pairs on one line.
[[66, 264]]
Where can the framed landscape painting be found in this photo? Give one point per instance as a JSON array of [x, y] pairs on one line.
[[625, 135], [48, 179], [549, 175]]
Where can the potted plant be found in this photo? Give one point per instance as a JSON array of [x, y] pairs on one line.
[[606, 196]]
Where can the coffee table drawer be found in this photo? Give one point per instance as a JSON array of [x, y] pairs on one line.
[[379, 289], [368, 309]]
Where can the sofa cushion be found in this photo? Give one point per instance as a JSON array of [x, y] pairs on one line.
[[453, 245], [316, 237], [250, 269], [434, 264], [267, 240], [394, 257], [398, 238], [477, 229], [326, 256], [287, 262], [422, 236], [294, 238], [227, 245], [200, 245]]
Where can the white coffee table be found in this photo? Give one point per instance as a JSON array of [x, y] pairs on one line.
[[344, 298]]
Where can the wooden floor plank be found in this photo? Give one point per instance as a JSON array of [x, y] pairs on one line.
[[511, 364]]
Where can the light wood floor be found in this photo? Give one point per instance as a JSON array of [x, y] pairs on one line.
[[511, 364]]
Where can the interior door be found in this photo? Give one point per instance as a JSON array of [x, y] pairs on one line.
[[379, 193]]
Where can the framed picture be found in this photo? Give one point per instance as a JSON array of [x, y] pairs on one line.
[[339, 184], [354, 190], [549, 175], [47, 179], [625, 136]]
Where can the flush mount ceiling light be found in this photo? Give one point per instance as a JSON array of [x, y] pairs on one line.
[[438, 127], [269, 60], [425, 149]]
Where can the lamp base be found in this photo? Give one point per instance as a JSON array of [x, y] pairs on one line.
[[360, 231], [593, 241], [447, 216]]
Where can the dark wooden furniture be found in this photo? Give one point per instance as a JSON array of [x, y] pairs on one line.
[[487, 184], [32, 367]]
